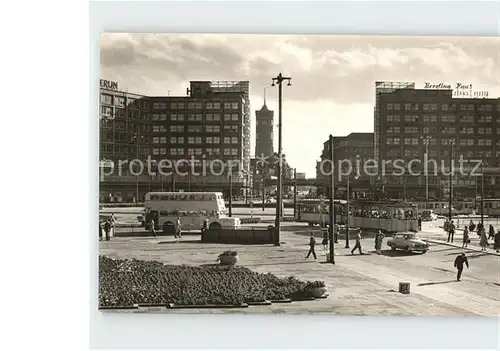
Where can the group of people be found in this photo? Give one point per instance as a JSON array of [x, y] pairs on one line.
[[107, 226], [178, 226], [449, 226], [379, 238]]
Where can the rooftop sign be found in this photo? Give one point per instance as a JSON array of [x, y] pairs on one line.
[[108, 84], [460, 90]]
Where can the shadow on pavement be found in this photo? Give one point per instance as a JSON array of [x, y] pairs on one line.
[[436, 283], [399, 253], [181, 242]]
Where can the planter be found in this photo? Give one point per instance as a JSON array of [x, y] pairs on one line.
[[316, 292], [228, 260]]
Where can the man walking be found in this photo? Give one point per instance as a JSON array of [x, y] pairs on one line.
[[420, 223], [358, 244], [379, 238], [178, 229], [312, 244], [152, 224], [107, 229], [459, 264], [451, 231]]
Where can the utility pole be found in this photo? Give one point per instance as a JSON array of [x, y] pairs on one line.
[[482, 194], [230, 177], [331, 228], [347, 221], [279, 80], [263, 196], [426, 141], [294, 191], [451, 179]]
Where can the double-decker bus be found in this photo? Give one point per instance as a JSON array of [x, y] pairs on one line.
[[193, 208]]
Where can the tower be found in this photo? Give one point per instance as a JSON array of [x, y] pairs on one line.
[[264, 130]]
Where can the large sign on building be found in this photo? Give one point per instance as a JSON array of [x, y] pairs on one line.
[[108, 84], [459, 90]]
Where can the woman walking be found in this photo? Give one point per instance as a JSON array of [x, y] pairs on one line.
[[491, 232], [484, 239], [472, 226], [325, 239], [379, 238], [465, 239], [497, 241]]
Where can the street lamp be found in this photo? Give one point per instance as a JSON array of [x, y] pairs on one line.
[[279, 80], [426, 141], [331, 229], [482, 193], [451, 180], [136, 137], [347, 222]]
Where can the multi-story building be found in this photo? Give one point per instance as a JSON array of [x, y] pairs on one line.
[[351, 154], [264, 131], [206, 128], [413, 121]]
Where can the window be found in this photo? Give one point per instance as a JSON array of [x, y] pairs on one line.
[[482, 130], [177, 128], [194, 129], [498, 131], [213, 105], [390, 107], [449, 130], [106, 99], [227, 140], [195, 117], [163, 116], [407, 107], [212, 117], [445, 142], [430, 107], [155, 117], [467, 130], [484, 153], [156, 128], [156, 140], [414, 141], [176, 105], [227, 116], [397, 107], [156, 151], [235, 117], [106, 111], [212, 129], [195, 105], [213, 151], [412, 119], [488, 142], [231, 127], [430, 119], [163, 151], [448, 119], [176, 140], [411, 129], [198, 152], [234, 152], [485, 119], [466, 142], [388, 141], [428, 130], [466, 107], [190, 140], [159, 105], [177, 117], [396, 141], [234, 140], [119, 101], [213, 140], [190, 152], [227, 152], [393, 118], [485, 107], [393, 130], [466, 119], [177, 152], [407, 141]]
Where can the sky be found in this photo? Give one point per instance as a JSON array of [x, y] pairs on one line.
[[333, 77]]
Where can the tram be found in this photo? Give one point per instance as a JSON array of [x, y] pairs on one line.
[[389, 216], [442, 207], [491, 207]]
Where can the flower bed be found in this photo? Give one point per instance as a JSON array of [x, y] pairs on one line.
[[129, 282]]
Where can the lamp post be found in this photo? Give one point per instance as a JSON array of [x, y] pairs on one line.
[[136, 137], [263, 196], [482, 194], [230, 177], [348, 209], [451, 181], [294, 191], [279, 80], [426, 141], [331, 229]]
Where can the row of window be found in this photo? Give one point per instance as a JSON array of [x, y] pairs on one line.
[[445, 130], [394, 153], [433, 142], [195, 117], [195, 151], [434, 119], [211, 105], [196, 140], [121, 101], [442, 107]]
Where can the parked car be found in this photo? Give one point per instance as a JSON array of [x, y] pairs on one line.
[[429, 215], [407, 241]]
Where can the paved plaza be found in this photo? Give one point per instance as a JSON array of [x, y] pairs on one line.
[[358, 285]]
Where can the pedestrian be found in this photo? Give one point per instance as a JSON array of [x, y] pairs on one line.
[[451, 231], [491, 232], [107, 229], [483, 241], [472, 226], [379, 238], [419, 223], [496, 245], [479, 227], [358, 244], [152, 225], [465, 239], [446, 226], [312, 244], [459, 264], [100, 231], [325, 239], [178, 229]]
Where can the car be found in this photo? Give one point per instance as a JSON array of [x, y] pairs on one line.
[[407, 241], [429, 215]]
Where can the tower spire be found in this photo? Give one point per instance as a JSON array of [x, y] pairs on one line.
[[264, 96]]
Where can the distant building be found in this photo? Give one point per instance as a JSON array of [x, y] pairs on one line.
[[264, 131]]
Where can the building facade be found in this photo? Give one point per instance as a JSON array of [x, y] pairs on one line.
[[196, 141], [264, 131], [415, 121]]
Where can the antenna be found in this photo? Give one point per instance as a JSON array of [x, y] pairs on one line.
[[264, 96]]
